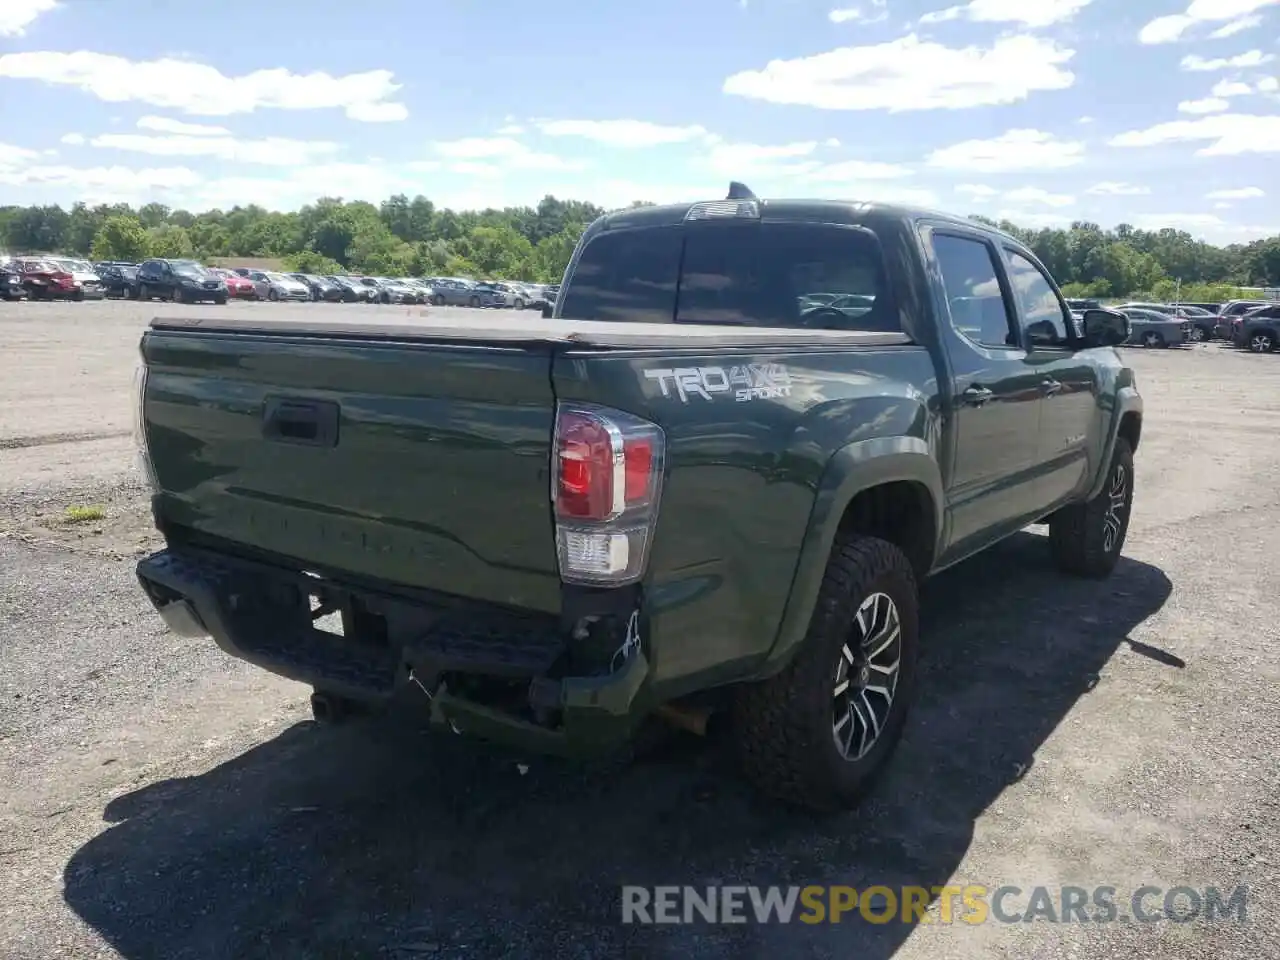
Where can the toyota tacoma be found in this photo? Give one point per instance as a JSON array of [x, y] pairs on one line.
[[694, 488]]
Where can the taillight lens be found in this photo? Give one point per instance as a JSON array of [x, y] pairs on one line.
[[607, 477]]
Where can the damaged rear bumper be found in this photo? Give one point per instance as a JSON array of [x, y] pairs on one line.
[[266, 615]]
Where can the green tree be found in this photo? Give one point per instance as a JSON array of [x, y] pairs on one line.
[[551, 255], [121, 238], [308, 261], [169, 240]]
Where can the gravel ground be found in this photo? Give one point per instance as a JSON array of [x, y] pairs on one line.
[[163, 800]]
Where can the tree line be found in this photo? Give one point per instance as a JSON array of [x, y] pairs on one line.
[[413, 237]]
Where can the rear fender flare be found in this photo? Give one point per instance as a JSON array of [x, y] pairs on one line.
[[853, 468]]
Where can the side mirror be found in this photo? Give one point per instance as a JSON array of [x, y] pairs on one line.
[[547, 311], [1105, 328]]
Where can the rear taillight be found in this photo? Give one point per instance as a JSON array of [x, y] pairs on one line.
[[606, 483]]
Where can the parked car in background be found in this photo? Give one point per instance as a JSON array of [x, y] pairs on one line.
[[88, 283], [1224, 326], [351, 290], [321, 287], [1150, 328], [1259, 330], [238, 287], [488, 294], [119, 280], [452, 292], [535, 296], [182, 281], [11, 282], [395, 290], [1202, 321], [44, 280], [278, 286], [1213, 309], [1081, 304]]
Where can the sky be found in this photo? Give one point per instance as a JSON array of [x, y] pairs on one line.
[[1149, 112]]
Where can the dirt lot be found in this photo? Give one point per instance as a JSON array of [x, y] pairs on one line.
[[162, 800]]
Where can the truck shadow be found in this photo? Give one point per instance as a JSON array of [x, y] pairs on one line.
[[378, 839]]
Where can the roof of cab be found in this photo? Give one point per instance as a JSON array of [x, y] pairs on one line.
[[818, 211]]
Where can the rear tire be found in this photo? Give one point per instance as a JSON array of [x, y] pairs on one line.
[[438, 300], [474, 302], [819, 733], [1262, 341], [1152, 339], [1085, 539], [272, 295]]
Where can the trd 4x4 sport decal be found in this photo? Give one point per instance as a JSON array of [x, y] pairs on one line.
[[752, 381]]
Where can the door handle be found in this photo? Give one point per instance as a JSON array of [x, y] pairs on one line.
[[976, 395], [1050, 387]]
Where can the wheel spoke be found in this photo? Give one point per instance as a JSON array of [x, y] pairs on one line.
[[887, 670], [882, 640], [865, 726], [841, 687]]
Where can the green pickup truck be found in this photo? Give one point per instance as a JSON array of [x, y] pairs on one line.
[[709, 482]]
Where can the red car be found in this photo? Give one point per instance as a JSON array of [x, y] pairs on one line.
[[45, 281], [238, 287]]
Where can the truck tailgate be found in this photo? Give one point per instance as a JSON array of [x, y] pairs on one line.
[[416, 463]]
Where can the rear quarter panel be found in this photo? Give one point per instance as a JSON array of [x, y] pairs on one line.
[[744, 476]]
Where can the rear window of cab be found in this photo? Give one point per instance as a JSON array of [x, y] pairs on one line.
[[757, 273]]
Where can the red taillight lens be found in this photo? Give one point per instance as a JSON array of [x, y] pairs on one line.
[[638, 469], [608, 467], [584, 454]]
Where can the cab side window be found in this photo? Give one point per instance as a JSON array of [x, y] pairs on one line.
[[1044, 319], [971, 281]]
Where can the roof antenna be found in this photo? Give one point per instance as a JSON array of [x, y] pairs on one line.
[[740, 191]]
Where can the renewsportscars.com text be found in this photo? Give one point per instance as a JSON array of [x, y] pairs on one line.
[[972, 904]]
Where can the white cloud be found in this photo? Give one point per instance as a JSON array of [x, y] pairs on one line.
[[1207, 105], [165, 125], [486, 155], [11, 156], [741, 159], [1011, 151], [511, 130], [1168, 29], [1085, 120], [1033, 218], [271, 151], [1231, 88], [1223, 206], [103, 184], [1037, 195], [855, 171], [1112, 188], [911, 74], [859, 14], [979, 191], [197, 88], [1252, 58], [1268, 85], [622, 133], [17, 15], [1236, 26], [1231, 134], [1241, 193], [1028, 13], [73, 139]]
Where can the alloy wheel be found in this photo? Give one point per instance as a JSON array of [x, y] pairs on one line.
[[1151, 339], [1261, 343], [866, 676], [1198, 334], [1113, 518]]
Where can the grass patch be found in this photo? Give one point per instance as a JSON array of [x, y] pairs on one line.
[[83, 514]]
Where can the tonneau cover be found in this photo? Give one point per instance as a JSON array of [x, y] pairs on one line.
[[518, 330]]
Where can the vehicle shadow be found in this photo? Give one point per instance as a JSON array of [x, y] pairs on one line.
[[377, 839]]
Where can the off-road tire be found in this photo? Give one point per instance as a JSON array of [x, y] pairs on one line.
[[783, 726], [1077, 534]]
